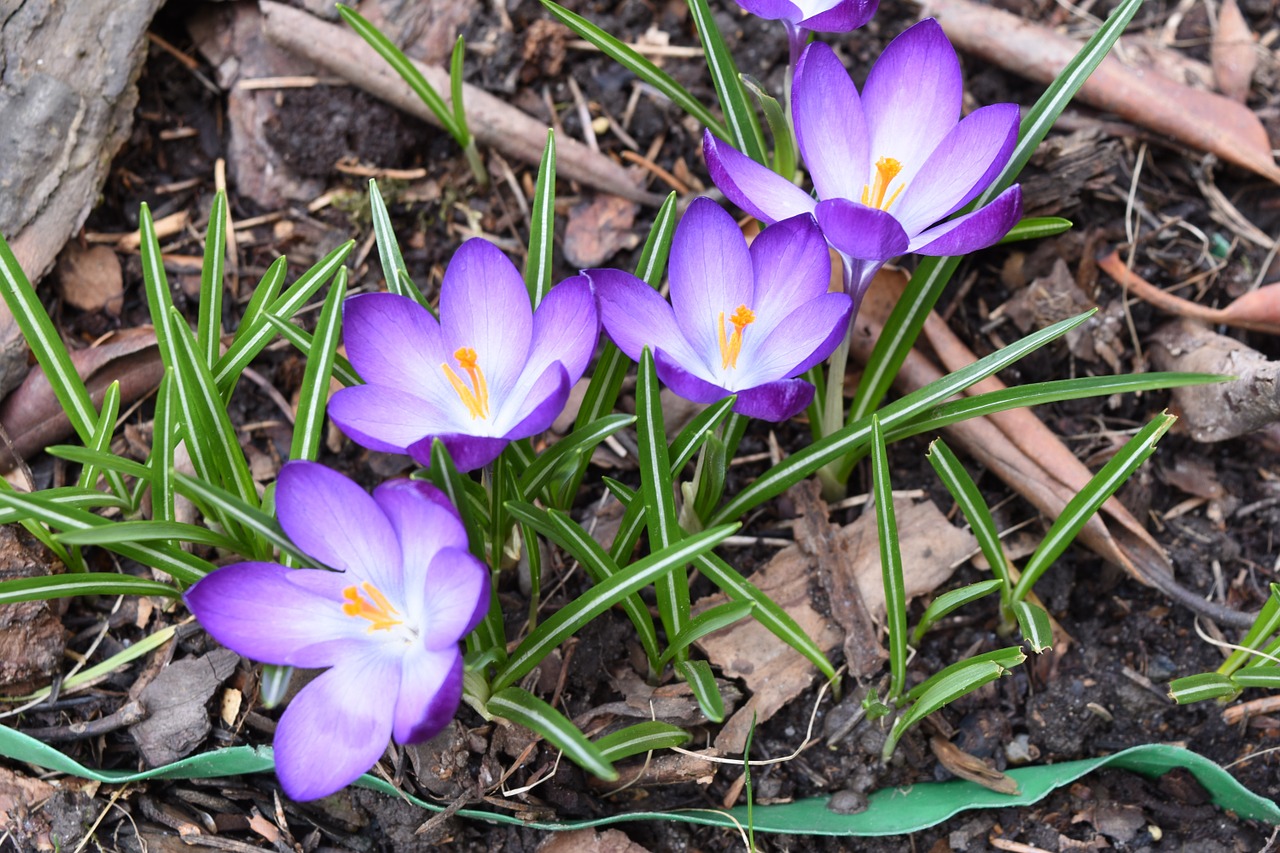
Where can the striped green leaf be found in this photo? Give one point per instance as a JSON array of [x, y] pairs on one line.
[[522, 707]]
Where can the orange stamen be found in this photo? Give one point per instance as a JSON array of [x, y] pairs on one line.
[[887, 169], [375, 608], [475, 398], [731, 345]]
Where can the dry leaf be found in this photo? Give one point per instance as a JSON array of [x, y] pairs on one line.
[[600, 229], [966, 766], [91, 279], [1232, 52], [1200, 119], [34, 419]]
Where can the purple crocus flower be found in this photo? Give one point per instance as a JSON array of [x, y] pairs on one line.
[[490, 371], [889, 164], [386, 626], [802, 17], [741, 321]]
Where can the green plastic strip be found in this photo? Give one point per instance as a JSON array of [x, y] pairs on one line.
[[889, 812]]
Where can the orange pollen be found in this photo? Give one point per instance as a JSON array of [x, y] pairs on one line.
[[475, 398], [731, 345], [375, 608], [887, 169]]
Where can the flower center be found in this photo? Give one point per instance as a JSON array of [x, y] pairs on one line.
[[887, 169], [475, 398], [731, 345], [375, 608]]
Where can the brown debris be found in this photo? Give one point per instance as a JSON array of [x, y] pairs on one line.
[[91, 278], [31, 635], [590, 841], [600, 229], [966, 766], [1233, 53], [1200, 119], [1228, 409], [176, 701]]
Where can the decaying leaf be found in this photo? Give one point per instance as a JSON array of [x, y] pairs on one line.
[[966, 766], [90, 278], [32, 416], [599, 229], [32, 639], [176, 700], [1232, 53]]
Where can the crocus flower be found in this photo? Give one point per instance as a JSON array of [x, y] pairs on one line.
[[386, 625], [741, 321], [490, 371], [802, 17], [889, 164]]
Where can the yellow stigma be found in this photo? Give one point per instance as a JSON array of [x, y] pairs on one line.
[[731, 345], [375, 608], [887, 169], [475, 398]]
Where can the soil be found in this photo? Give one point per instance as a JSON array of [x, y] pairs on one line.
[[1104, 693]]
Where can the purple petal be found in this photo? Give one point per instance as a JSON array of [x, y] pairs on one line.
[[843, 17], [635, 316], [430, 690], [803, 338], [685, 383], [393, 341], [542, 403], [830, 128], [710, 272], [775, 401], [468, 452], [968, 159], [792, 265], [387, 419], [424, 522], [912, 97], [332, 519], [978, 230], [759, 191], [454, 587], [268, 613], [865, 233], [565, 329], [337, 727], [773, 10], [484, 305]]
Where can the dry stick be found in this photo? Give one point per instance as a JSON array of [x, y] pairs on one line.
[[1200, 119], [493, 122], [1036, 475]]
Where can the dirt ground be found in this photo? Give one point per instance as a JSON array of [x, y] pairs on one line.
[[1214, 507]]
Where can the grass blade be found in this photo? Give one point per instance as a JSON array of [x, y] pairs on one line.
[[209, 319], [1034, 623], [959, 680], [394, 271], [641, 737], [740, 118], [85, 583], [957, 480], [951, 601], [521, 706], [895, 589], [702, 681], [301, 339], [542, 228], [308, 424]]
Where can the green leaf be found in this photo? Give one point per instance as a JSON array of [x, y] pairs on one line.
[[256, 332], [581, 440], [81, 583], [744, 127], [1037, 228], [641, 737], [567, 534], [1008, 657], [951, 601], [931, 276], [522, 707], [698, 675], [403, 66], [209, 319], [542, 228], [164, 433], [707, 622], [1266, 675], [301, 339], [1202, 687], [784, 142], [804, 462], [101, 443], [69, 496], [656, 491], [1083, 505], [184, 567], [895, 589], [46, 345], [1265, 624], [394, 271], [313, 396], [961, 486], [703, 424], [147, 531], [629, 59], [273, 686], [575, 615], [257, 523], [1034, 623], [455, 92], [963, 679], [709, 477]]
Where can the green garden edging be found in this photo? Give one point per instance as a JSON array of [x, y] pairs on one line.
[[889, 812]]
